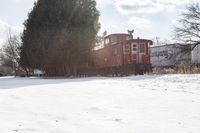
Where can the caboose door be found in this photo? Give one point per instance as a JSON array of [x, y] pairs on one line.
[[141, 51], [140, 58], [135, 52], [138, 54]]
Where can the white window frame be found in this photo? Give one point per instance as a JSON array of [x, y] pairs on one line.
[[127, 49]]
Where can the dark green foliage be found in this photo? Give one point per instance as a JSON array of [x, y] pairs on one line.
[[59, 36]]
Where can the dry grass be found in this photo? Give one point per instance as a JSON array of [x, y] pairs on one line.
[[181, 69]]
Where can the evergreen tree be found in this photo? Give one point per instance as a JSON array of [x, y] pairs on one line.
[[59, 36]]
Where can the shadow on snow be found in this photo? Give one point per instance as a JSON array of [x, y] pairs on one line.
[[13, 83]]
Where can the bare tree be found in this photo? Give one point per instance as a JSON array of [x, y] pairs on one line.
[[188, 32], [10, 54], [100, 40]]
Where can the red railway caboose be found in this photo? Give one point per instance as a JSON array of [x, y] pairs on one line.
[[123, 55]]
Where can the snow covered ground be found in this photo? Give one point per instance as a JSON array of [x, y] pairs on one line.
[[135, 104]]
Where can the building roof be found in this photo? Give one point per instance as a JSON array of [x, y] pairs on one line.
[[116, 34]]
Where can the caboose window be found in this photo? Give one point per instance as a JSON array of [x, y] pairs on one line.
[[127, 49], [106, 40], [113, 39], [134, 48]]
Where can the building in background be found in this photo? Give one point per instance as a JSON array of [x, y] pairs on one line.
[[196, 55], [170, 55]]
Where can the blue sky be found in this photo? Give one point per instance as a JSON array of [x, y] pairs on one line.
[[149, 18]]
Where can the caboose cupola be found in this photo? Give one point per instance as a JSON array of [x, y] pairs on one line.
[[113, 39]]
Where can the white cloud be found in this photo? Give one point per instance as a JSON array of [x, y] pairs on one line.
[[140, 23], [136, 6], [177, 2], [110, 25], [148, 6]]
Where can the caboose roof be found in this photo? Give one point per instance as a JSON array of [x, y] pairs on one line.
[[127, 41], [116, 34]]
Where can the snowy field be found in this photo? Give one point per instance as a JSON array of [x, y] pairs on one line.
[[135, 104]]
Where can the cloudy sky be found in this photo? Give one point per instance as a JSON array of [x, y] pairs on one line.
[[149, 18]]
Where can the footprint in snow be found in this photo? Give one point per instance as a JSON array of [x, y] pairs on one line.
[[117, 120], [25, 130], [96, 110]]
